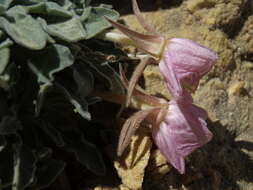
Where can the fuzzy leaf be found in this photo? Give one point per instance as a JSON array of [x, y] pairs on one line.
[[70, 30], [86, 153], [52, 133], [49, 61], [85, 14], [24, 29], [4, 4], [81, 106], [2, 142], [49, 8], [109, 74], [9, 125], [6, 43], [84, 80], [48, 171], [44, 88], [4, 59], [24, 168], [96, 22], [6, 166]]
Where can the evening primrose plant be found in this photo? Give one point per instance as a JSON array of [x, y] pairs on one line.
[[178, 126], [50, 64]]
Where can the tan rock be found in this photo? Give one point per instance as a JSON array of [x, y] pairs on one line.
[[154, 81], [216, 12], [131, 166], [245, 39]]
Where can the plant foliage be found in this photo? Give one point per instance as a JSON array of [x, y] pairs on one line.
[[49, 65]]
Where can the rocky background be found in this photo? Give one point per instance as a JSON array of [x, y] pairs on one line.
[[226, 163]]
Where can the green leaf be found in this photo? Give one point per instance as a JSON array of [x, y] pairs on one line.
[[70, 31], [84, 80], [24, 29], [44, 88], [9, 125], [4, 4], [86, 153], [48, 171], [109, 74], [52, 133], [96, 22], [44, 153], [6, 166], [49, 8], [50, 61], [4, 59], [81, 106], [24, 168], [6, 43], [2, 142], [85, 14]]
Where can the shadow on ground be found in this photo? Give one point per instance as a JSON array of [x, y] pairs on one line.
[[145, 5], [220, 164]]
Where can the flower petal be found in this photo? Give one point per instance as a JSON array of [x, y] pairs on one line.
[[182, 131], [189, 60]]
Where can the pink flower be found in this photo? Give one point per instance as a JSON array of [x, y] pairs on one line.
[[184, 63], [181, 132]]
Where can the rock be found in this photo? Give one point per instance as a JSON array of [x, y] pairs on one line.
[[131, 166], [217, 13], [245, 40]]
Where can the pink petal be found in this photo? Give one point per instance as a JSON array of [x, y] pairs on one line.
[[182, 131], [189, 60]]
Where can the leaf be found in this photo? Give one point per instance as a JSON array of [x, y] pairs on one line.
[[96, 22], [4, 107], [9, 125], [48, 171], [2, 142], [52, 133], [4, 59], [49, 8], [84, 80], [86, 153], [70, 31], [109, 74], [44, 153], [6, 166], [85, 14], [81, 106], [6, 43], [24, 29], [44, 88], [50, 61], [4, 4], [24, 168]]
